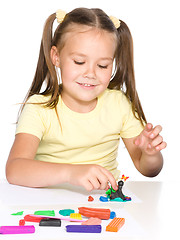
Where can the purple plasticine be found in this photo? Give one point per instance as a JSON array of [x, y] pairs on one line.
[[84, 228]]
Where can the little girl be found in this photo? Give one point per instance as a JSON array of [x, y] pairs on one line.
[[70, 131]]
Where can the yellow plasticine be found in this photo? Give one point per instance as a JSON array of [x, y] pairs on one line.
[[76, 216]]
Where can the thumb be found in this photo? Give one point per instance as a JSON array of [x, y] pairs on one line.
[[137, 141]]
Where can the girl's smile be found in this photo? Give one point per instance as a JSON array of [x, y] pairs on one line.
[[86, 63], [87, 85]]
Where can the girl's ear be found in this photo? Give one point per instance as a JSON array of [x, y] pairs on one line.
[[55, 56]]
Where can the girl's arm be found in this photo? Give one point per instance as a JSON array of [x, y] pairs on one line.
[[22, 169], [145, 150]]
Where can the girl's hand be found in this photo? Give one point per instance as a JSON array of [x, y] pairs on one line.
[[91, 176], [150, 141]]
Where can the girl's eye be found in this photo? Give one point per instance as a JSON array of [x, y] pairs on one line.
[[102, 66], [79, 63]]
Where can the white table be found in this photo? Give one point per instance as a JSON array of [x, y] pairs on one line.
[[152, 214]]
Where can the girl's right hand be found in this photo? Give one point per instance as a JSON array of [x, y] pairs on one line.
[[91, 176]]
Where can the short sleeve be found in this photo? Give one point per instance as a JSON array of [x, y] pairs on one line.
[[31, 119], [131, 126]]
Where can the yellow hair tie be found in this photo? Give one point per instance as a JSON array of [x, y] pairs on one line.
[[60, 15], [116, 21]]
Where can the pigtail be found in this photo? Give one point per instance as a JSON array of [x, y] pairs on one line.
[[124, 78], [45, 71]]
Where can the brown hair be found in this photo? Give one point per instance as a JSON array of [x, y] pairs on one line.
[[123, 78]]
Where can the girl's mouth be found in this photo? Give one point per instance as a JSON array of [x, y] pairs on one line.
[[86, 85]]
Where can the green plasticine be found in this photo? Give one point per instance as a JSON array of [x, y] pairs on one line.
[[108, 192], [45, 213], [66, 212], [18, 213]]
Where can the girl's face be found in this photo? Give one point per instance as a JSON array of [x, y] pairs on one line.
[[86, 63]]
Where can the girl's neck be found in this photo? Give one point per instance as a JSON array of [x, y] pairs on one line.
[[79, 106]]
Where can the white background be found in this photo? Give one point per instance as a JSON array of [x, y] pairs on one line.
[[155, 29]]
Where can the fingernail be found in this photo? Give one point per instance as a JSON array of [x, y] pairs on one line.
[[152, 135]]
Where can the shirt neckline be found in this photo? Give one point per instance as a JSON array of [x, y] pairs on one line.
[[72, 113]]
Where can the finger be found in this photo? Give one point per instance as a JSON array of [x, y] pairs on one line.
[[137, 141], [107, 187], [156, 131], [95, 182], [88, 186], [111, 178], [156, 141], [103, 180], [161, 146], [104, 186], [147, 129]]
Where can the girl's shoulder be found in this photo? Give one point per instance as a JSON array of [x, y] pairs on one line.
[[118, 96], [38, 98], [114, 92]]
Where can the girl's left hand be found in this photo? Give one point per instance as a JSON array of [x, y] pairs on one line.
[[150, 141]]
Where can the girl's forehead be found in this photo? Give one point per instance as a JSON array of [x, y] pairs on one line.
[[78, 29], [85, 35]]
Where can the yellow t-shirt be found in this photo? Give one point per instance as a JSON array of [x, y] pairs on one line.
[[83, 138]]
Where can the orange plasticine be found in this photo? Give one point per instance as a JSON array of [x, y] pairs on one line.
[[101, 213], [115, 224]]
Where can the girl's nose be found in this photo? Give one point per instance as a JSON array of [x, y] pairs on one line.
[[90, 72]]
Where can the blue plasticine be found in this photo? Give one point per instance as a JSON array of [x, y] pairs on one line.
[[112, 215], [103, 199]]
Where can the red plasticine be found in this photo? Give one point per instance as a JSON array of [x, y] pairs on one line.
[[29, 218], [101, 213], [90, 199], [21, 222]]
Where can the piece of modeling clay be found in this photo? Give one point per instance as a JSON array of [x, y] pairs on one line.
[[128, 198], [60, 217], [90, 199], [113, 215], [29, 218], [92, 221], [76, 216], [84, 228], [124, 178], [45, 213], [101, 213], [18, 213], [16, 229], [49, 222], [103, 199], [66, 212], [21, 222], [117, 200], [115, 224], [120, 199]]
